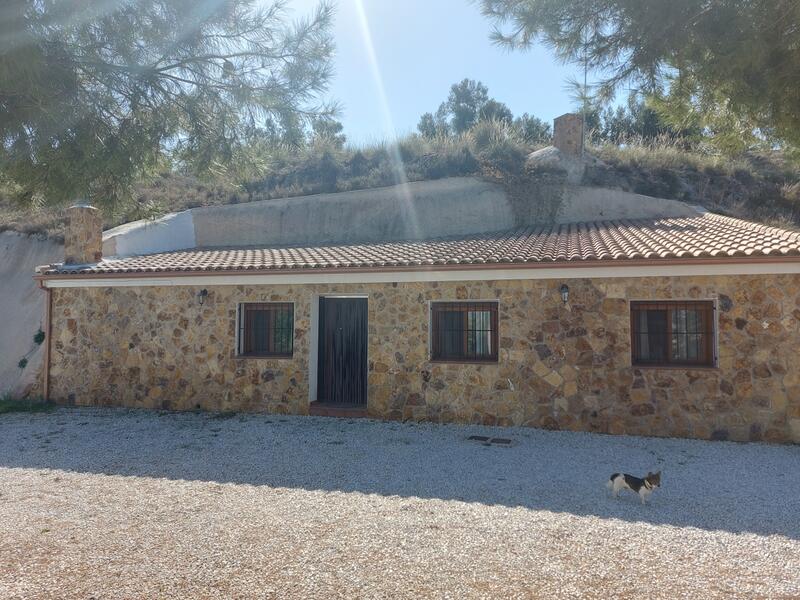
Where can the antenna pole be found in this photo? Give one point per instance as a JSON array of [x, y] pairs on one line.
[[585, 95]]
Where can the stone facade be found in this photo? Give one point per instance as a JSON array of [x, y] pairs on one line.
[[568, 134], [560, 367], [83, 237]]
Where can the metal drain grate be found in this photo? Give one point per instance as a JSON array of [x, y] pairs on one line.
[[501, 441]]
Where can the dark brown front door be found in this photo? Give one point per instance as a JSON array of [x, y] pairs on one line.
[[342, 351]]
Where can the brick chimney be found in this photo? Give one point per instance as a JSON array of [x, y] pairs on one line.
[[568, 134], [83, 238]]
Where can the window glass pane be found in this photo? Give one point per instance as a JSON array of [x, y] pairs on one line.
[[282, 330], [479, 334], [687, 334], [464, 331], [652, 335], [452, 333], [672, 332], [267, 329], [260, 331]]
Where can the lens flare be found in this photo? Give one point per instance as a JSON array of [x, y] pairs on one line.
[[404, 192]]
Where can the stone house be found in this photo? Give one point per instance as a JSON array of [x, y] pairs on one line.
[[685, 325]]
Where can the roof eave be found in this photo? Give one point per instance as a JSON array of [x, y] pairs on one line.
[[574, 264]]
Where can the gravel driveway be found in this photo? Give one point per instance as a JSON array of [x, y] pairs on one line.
[[106, 503]]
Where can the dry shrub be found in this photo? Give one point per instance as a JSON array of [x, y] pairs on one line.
[[763, 187]]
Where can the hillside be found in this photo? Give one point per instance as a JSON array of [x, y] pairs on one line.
[[763, 188]]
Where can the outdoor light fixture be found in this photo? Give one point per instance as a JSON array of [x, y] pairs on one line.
[[564, 292], [202, 296]]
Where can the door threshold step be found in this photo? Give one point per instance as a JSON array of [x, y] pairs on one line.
[[350, 411]]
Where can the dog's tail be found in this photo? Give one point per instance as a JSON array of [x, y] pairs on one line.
[[610, 482]]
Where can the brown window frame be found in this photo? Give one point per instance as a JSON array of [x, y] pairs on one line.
[[706, 359], [246, 329], [465, 307]]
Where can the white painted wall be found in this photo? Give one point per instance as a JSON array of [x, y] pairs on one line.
[[21, 306], [414, 211], [419, 210], [599, 204], [174, 231]]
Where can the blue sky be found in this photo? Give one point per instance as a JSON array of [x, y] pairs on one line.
[[422, 47]]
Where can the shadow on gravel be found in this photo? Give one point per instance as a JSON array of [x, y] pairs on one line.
[[709, 485]]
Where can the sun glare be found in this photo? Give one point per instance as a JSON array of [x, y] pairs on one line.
[[401, 179]]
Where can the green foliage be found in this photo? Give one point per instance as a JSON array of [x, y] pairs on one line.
[[327, 128], [464, 104], [9, 404], [23, 362], [430, 126], [95, 95], [427, 125], [498, 144], [467, 103], [741, 53], [638, 120], [708, 114], [760, 186], [757, 187], [533, 130], [38, 337], [468, 107], [324, 166], [493, 110]]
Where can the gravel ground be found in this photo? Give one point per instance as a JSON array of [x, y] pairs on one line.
[[106, 503]]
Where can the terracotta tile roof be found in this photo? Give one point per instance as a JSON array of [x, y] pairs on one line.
[[705, 236]]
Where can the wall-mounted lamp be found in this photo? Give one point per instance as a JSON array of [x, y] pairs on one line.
[[564, 292], [201, 297]]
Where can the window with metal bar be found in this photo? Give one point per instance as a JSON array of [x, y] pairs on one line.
[[672, 333], [464, 331], [266, 330]]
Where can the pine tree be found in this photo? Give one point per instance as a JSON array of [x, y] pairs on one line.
[[95, 94], [734, 62]]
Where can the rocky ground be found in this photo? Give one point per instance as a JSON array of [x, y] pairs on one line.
[[132, 504]]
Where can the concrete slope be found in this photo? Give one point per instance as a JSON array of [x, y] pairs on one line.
[[581, 203], [22, 307], [414, 211], [419, 210]]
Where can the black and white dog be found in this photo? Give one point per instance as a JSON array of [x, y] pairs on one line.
[[643, 487]]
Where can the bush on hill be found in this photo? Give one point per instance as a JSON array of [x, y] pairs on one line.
[[763, 187]]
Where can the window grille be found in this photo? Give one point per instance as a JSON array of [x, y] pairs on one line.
[[464, 331], [266, 330], [672, 333]]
